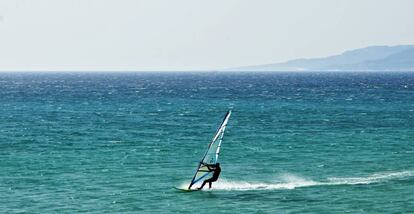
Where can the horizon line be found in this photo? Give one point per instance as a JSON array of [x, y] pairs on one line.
[[201, 71]]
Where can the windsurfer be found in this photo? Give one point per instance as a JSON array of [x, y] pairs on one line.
[[215, 168]]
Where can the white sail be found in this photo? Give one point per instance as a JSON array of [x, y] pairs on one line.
[[211, 155]]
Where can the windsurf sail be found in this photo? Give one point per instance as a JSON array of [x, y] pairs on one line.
[[211, 155]]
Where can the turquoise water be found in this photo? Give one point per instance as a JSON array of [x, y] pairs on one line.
[[118, 143]]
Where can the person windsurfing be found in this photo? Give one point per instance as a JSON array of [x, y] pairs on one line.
[[215, 168]]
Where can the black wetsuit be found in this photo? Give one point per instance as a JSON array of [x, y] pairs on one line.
[[216, 173]]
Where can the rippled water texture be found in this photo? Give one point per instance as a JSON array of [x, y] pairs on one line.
[[119, 143]]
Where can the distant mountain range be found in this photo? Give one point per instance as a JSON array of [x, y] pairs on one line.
[[373, 58]]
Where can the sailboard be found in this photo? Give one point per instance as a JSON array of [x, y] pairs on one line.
[[210, 156], [185, 189]]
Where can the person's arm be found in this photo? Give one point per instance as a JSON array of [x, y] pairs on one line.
[[211, 167]]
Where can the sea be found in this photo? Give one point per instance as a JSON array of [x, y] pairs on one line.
[[298, 142]]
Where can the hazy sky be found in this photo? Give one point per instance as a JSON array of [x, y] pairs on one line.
[[191, 34]]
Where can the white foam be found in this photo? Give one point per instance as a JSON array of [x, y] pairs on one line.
[[374, 178], [231, 185], [290, 181]]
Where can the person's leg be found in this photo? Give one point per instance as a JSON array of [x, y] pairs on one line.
[[202, 185], [211, 180]]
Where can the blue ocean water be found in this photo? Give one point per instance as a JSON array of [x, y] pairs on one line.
[[119, 142]]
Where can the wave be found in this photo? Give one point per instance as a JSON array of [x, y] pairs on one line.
[[290, 181]]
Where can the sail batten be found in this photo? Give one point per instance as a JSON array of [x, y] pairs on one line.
[[211, 155]]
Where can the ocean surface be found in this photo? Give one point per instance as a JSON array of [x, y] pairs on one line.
[[119, 142]]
